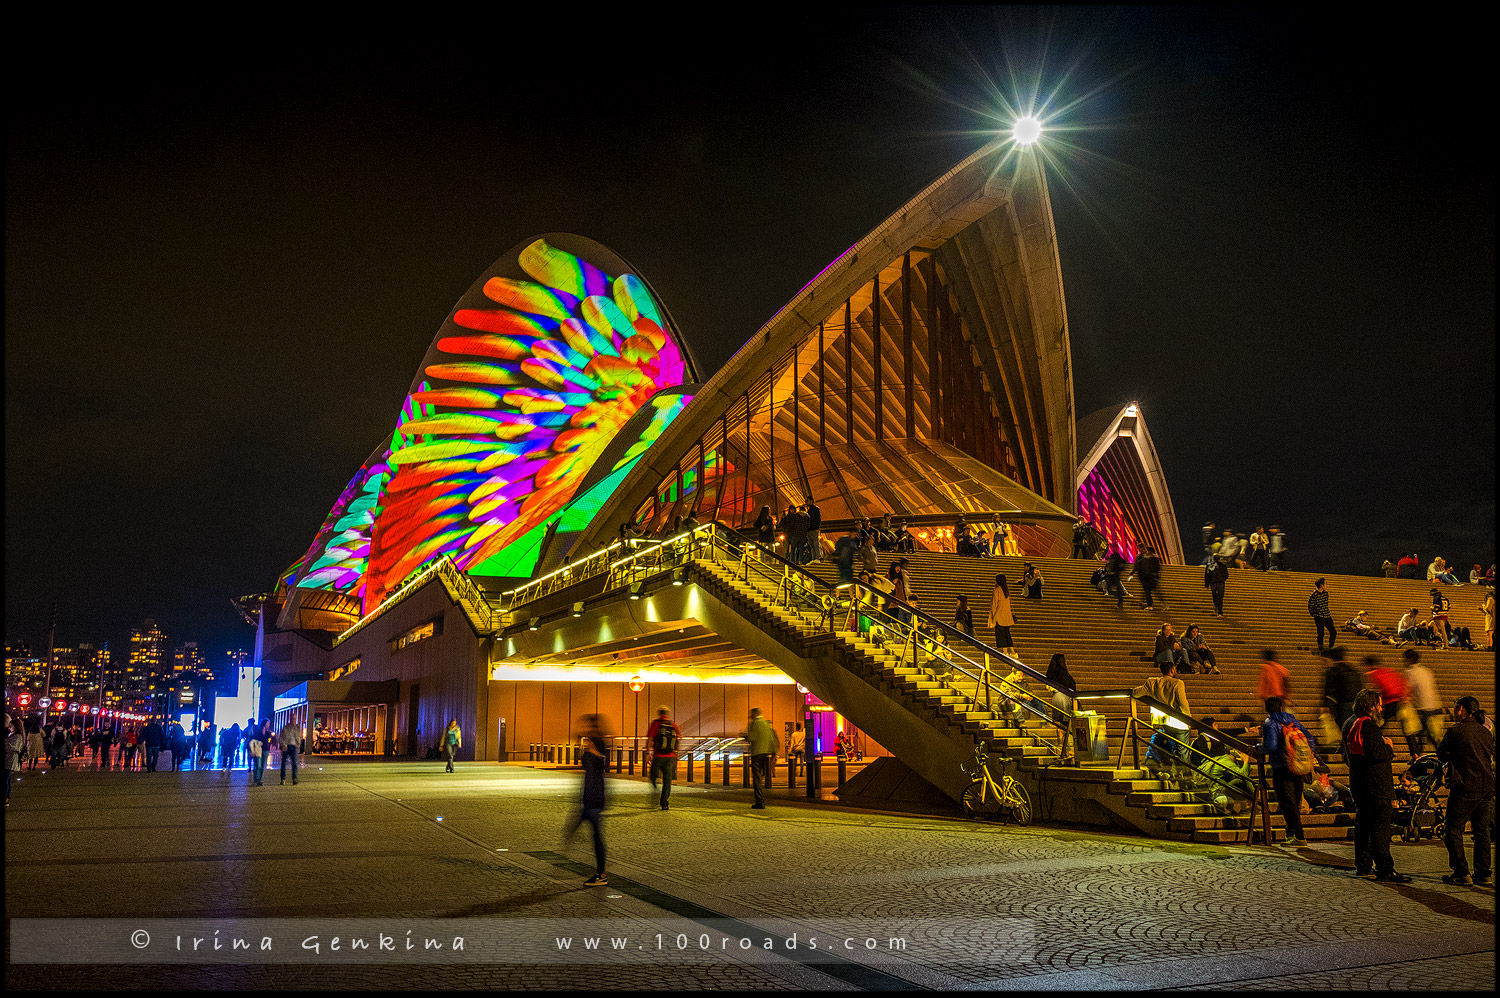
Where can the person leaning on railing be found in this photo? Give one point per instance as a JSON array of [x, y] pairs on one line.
[[1062, 702], [1170, 691]]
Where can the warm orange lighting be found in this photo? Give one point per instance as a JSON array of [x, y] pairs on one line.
[[637, 684]]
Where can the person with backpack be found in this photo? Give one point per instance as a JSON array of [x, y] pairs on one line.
[[1286, 745], [663, 737], [1114, 567], [1370, 755], [453, 740]]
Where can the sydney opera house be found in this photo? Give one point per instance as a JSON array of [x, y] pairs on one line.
[[926, 373]]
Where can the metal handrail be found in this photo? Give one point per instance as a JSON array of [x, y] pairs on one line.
[[1207, 766]]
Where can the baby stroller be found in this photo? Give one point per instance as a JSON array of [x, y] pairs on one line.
[[1417, 811]]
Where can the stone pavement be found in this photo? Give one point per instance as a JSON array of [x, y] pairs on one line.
[[362, 840]]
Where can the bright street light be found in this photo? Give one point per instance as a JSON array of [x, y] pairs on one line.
[[1026, 130]]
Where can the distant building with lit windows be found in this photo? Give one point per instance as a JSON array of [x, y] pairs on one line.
[[150, 659]]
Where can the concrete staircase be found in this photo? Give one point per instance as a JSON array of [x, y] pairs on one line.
[[1111, 648]]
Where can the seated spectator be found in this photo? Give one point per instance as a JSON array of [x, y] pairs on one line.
[[1323, 795], [905, 543], [1031, 580], [1414, 627], [1476, 575], [1360, 624], [1407, 566], [1438, 571], [1460, 637], [1098, 581], [1169, 649], [1388, 568], [1489, 577], [1198, 652]]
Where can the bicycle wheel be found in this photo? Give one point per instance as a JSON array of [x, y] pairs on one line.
[[978, 804], [1019, 803]]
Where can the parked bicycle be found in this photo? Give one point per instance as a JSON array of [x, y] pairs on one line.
[[987, 796]]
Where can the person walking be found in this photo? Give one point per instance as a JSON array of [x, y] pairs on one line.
[[291, 740], [229, 743], [1001, 618], [663, 736], [1148, 569], [106, 747], [867, 561], [178, 741], [1279, 734], [964, 616], [900, 590], [260, 749], [1229, 548], [1488, 607], [131, 742], [765, 527], [94, 746], [1214, 577], [1276, 549], [763, 748], [15, 751], [453, 740], [814, 531], [1275, 679], [1062, 702], [153, 738], [1114, 567], [591, 803], [36, 746], [1341, 684], [1369, 755], [1317, 606], [1422, 694], [1469, 750], [1080, 540], [1392, 688], [1258, 544]]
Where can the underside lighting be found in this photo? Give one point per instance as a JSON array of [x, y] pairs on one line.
[[1026, 130], [578, 609], [532, 625], [635, 590], [678, 575]]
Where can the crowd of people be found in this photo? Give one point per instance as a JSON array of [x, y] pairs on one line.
[[150, 747], [1409, 566], [1354, 711], [1264, 548]]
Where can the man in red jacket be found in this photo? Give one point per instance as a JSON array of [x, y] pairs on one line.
[[663, 737]]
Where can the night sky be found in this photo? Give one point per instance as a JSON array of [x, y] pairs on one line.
[[224, 262]]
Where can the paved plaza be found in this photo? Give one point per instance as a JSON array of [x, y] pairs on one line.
[[363, 841]]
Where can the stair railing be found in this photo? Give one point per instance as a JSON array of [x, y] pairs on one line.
[[1160, 739]]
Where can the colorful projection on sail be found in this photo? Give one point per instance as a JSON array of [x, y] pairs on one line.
[[523, 390], [1097, 504]]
